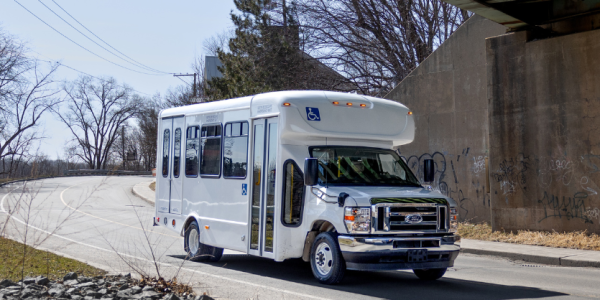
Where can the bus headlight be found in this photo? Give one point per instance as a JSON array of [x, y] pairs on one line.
[[358, 219], [453, 219]]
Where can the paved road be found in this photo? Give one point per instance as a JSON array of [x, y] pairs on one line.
[[99, 220]]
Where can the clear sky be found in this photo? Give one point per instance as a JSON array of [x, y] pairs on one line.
[[163, 35]]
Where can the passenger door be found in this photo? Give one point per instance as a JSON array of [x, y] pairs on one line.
[[263, 191], [171, 184], [178, 173]]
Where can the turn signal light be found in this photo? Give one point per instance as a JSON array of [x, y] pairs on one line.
[[349, 104], [286, 104], [335, 103], [363, 105], [349, 218], [410, 113]]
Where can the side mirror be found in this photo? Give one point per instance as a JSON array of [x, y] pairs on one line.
[[311, 171], [428, 170]]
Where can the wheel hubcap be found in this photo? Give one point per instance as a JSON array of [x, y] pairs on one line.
[[323, 259], [193, 241]]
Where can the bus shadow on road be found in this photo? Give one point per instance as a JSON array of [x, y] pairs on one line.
[[388, 284]]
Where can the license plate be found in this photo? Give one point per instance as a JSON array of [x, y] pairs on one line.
[[417, 255]]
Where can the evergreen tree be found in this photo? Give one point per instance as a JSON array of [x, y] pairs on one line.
[[262, 56]]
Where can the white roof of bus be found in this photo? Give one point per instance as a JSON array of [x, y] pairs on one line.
[[275, 97], [336, 115]]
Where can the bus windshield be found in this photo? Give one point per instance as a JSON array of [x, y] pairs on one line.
[[347, 166]]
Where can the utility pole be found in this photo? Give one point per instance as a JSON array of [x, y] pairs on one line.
[[194, 87], [123, 144]]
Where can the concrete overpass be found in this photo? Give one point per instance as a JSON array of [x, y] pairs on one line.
[[558, 16], [509, 109]]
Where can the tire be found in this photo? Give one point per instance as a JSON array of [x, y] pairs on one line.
[[326, 260], [197, 251], [430, 274]]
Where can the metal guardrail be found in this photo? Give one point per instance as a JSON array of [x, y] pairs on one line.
[[91, 172]]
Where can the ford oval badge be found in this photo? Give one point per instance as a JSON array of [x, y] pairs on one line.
[[413, 219]]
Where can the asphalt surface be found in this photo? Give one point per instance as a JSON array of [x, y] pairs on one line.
[[98, 220]]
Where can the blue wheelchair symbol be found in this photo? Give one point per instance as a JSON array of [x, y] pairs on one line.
[[244, 189], [312, 114]]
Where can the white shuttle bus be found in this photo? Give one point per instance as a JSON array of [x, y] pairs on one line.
[[302, 174]]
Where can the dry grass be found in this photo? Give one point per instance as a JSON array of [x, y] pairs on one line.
[[573, 240], [38, 263], [153, 186]]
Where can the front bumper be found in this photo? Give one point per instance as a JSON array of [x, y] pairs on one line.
[[392, 253]]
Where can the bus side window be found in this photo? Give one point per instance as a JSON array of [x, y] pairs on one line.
[[210, 162], [235, 150], [166, 144], [177, 153], [293, 194], [192, 147]]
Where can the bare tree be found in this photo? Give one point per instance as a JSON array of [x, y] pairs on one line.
[[97, 108], [26, 93], [375, 43], [143, 138], [219, 41]]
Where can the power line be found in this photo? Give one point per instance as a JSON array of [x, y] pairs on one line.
[[63, 65], [84, 48], [68, 67], [194, 74], [90, 38], [184, 81], [134, 61]]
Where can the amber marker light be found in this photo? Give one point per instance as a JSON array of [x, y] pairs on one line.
[[335, 103], [349, 218], [410, 113], [206, 227], [363, 105], [173, 222], [349, 104], [286, 104]]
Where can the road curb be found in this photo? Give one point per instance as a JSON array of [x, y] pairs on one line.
[[143, 191], [534, 254], [515, 256]]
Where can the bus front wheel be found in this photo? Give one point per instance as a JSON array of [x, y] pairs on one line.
[[326, 260]]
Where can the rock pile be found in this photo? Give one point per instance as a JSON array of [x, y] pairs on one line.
[[119, 287]]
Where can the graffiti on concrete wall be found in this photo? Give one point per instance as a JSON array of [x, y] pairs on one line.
[[510, 174], [592, 213], [538, 178], [478, 164], [572, 207], [553, 175]]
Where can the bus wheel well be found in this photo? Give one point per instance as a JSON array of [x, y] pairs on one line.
[[189, 220], [318, 227]]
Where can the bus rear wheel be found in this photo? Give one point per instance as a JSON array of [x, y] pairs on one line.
[[197, 251]]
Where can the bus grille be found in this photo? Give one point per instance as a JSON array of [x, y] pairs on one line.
[[428, 217]]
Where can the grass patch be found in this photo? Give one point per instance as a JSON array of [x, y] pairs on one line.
[[153, 186], [573, 240], [38, 262]]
